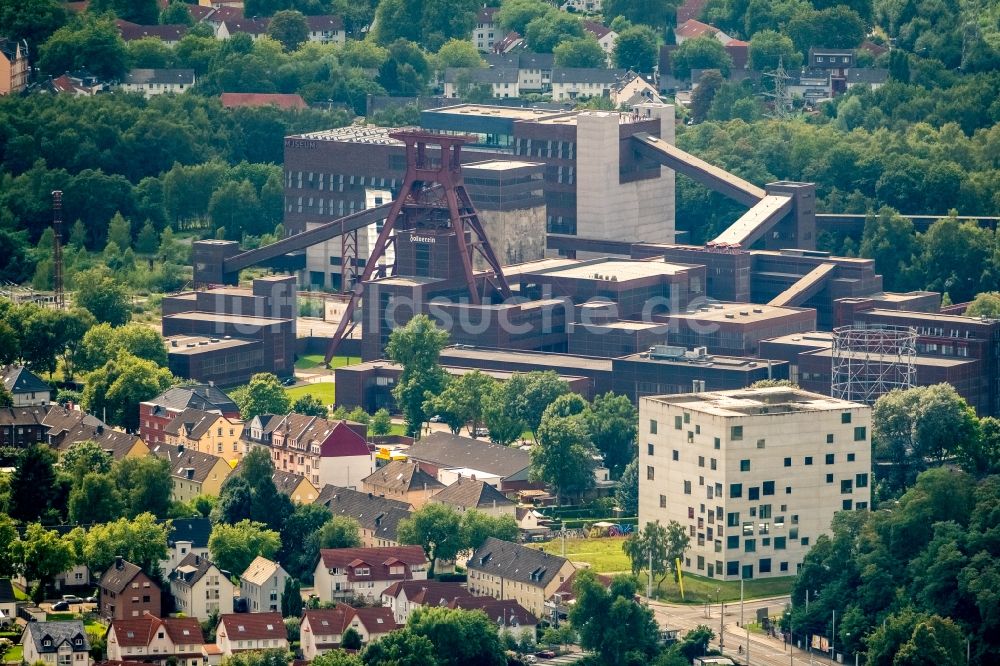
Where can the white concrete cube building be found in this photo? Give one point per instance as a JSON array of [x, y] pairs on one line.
[[754, 475]]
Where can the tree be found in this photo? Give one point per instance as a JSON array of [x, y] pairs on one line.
[[704, 94], [890, 240], [637, 49], [69, 328], [103, 296], [910, 638], [435, 527], [768, 48], [458, 53], [381, 423], [613, 423], [627, 493], [665, 544], [8, 535], [141, 540], [461, 402], [338, 532], [658, 14], [477, 526], [233, 547], [583, 51], [117, 388], [6, 398], [700, 53], [263, 395], [533, 393], [102, 343], [298, 552], [289, 27], [417, 347], [515, 15], [143, 12], [176, 13], [430, 23], [235, 208], [148, 241], [459, 636], [33, 487], [610, 622], [309, 406], [120, 232], [291, 599], [696, 642], [250, 494], [144, 484], [499, 415], [270, 657], [43, 555], [544, 33], [94, 499], [338, 658], [91, 43], [985, 304], [835, 27], [351, 640], [406, 71], [564, 455], [400, 648], [31, 20]]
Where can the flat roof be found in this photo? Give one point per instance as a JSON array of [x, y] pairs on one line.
[[354, 134], [930, 316], [501, 375], [626, 325], [744, 363], [810, 339], [489, 111], [537, 265], [736, 312], [407, 280], [755, 402], [226, 318], [546, 359], [926, 361], [623, 269], [189, 345], [501, 165]]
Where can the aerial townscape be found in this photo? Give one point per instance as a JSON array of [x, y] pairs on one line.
[[499, 332]]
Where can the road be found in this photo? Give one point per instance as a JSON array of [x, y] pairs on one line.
[[764, 650]]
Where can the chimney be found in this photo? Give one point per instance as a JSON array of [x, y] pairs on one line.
[[180, 449], [100, 429], [119, 562]]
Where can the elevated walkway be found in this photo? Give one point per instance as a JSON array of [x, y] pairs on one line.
[[756, 222], [805, 287]]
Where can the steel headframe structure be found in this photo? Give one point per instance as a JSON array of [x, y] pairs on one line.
[[57, 257], [431, 199], [870, 361]]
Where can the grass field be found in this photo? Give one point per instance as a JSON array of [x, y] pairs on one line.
[[310, 361], [14, 655], [605, 556], [325, 392]]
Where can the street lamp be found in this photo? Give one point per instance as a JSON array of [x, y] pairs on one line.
[[722, 616]]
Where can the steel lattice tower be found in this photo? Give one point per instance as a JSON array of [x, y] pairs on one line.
[[870, 361]]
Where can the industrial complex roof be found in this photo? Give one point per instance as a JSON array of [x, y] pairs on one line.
[[753, 402]]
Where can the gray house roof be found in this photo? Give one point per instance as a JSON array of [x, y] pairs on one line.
[[162, 76], [195, 530], [867, 75], [379, 515], [18, 379], [586, 75], [481, 75], [48, 636], [192, 569], [515, 562], [472, 494], [198, 396], [443, 449]]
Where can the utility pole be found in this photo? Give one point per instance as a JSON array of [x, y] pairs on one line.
[[833, 639], [722, 627], [742, 621], [649, 576], [748, 643]]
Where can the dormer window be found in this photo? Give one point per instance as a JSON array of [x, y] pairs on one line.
[[362, 571], [47, 643]]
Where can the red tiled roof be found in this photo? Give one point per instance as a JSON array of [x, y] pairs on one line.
[[249, 26], [338, 558], [691, 9], [508, 611], [253, 626], [596, 29], [427, 592], [233, 100], [328, 621], [692, 28], [326, 22], [226, 14], [485, 14], [565, 590], [168, 33], [139, 632], [200, 13], [377, 619]]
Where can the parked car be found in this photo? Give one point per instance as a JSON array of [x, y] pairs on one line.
[[60, 606], [72, 599], [436, 418], [530, 659], [481, 432], [91, 600], [289, 382], [545, 654]]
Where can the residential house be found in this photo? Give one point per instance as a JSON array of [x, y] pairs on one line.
[[256, 28], [872, 77], [501, 81], [26, 387], [193, 473], [633, 89], [60, 421], [378, 516], [152, 82], [126, 592], [262, 585], [487, 30], [22, 426], [403, 597], [168, 34], [835, 61], [78, 84], [326, 29], [812, 85], [117, 444], [506, 614], [466, 494], [442, 454], [200, 588], [207, 432], [320, 450], [505, 570], [187, 535], [690, 9], [402, 481], [530, 521], [62, 643], [508, 43], [605, 36], [345, 573], [150, 639], [558, 606], [570, 83], [14, 67], [250, 631], [76, 578], [739, 53], [298, 488], [156, 414], [582, 6], [323, 630], [534, 70], [280, 100], [692, 29], [8, 602]]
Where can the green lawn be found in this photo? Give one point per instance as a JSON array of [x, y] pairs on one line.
[[19, 594], [14, 655], [605, 556], [323, 391], [310, 361]]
